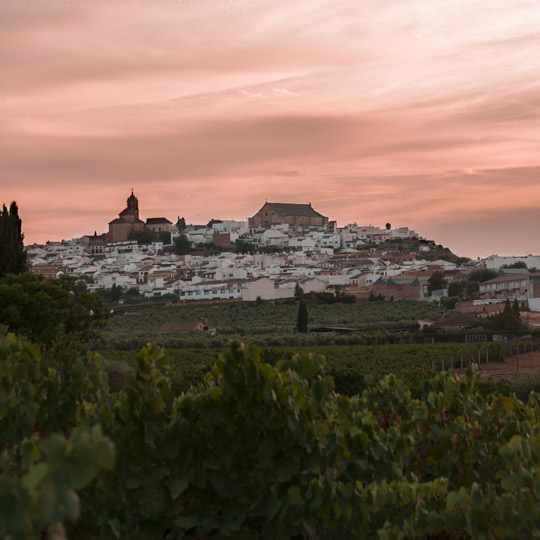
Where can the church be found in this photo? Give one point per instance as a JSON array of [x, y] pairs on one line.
[[287, 213], [128, 221]]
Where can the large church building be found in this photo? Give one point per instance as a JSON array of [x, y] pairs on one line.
[[128, 221], [287, 213]]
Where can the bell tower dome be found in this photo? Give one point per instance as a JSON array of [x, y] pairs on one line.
[[133, 204]]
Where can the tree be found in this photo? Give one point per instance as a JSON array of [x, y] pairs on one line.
[[298, 292], [302, 318], [182, 245], [116, 291], [509, 320], [241, 246], [517, 264], [143, 237], [456, 288], [483, 275], [388, 226], [12, 253], [164, 237], [43, 310], [437, 282], [515, 310]]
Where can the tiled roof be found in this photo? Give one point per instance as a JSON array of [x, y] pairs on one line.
[[127, 212], [124, 220], [156, 220], [291, 209]]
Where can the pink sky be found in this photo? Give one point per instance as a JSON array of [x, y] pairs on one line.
[[419, 113]]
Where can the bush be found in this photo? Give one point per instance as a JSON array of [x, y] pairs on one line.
[[259, 451], [527, 383]]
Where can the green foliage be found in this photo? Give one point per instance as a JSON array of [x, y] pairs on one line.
[[43, 309], [449, 302], [302, 318], [328, 298], [456, 288], [12, 253], [527, 383], [164, 236], [241, 246], [273, 325], [182, 245], [260, 451], [517, 264], [351, 366], [503, 388], [142, 237], [116, 292], [472, 286], [298, 292], [437, 281], [507, 321], [46, 458], [482, 275]]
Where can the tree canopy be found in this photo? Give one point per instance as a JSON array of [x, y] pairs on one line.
[[12, 253], [43, 310], [182, 245], [437, 282], [509, 320], [482, 275], [143, 237], [517, 264]]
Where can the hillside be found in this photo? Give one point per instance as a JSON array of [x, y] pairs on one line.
[[426, 249]]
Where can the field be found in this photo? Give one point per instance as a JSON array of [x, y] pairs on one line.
[[263, 323], [352, 366], [353, 360]]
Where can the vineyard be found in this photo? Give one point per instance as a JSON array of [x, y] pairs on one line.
[[259, 451], [274, 323], [350, 365]]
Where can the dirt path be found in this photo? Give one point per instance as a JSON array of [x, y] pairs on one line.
[[495, 371]]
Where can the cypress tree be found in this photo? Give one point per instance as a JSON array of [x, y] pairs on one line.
[[302, 318], [12, 253]]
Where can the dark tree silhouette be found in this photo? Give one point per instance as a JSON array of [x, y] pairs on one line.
[[302, 318], [12, 253]]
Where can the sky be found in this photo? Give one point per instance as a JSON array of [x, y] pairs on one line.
[[421, 113]]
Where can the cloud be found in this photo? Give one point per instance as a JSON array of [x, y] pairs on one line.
[[380, 111]]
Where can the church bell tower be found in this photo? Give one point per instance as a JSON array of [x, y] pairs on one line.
[[133, 204]]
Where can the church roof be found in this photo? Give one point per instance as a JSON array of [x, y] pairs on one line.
[[156, 220], [292, 209], [132, 197], [127, 212], [120, 220]]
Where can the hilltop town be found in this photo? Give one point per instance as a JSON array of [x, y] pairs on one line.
[[282, 246]]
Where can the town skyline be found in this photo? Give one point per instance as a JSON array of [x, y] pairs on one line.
[[102, 229], [421, 115]]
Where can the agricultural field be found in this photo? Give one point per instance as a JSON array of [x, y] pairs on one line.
[[257, 322], [352, 366]]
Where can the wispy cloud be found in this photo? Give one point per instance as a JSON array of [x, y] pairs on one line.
[[419, 113]]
